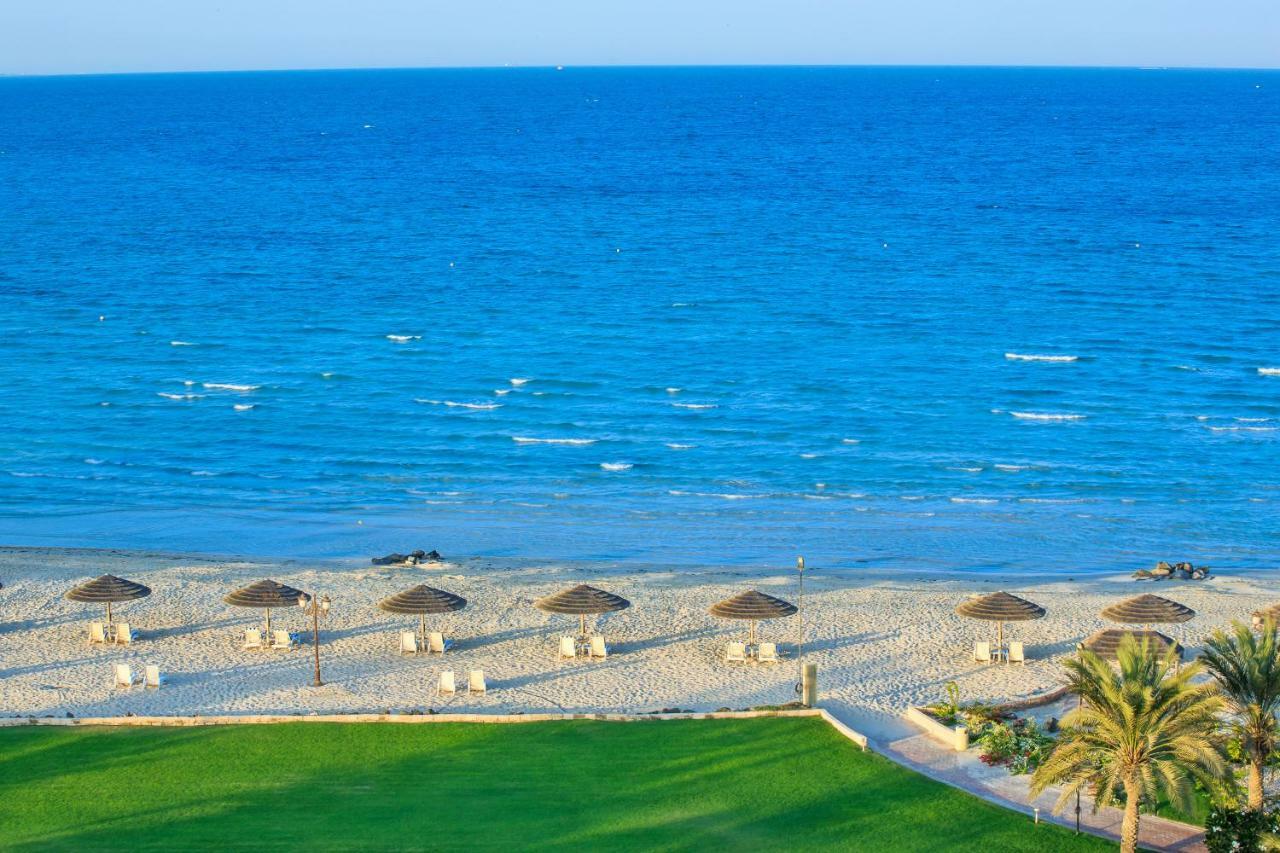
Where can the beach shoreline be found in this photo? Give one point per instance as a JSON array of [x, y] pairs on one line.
[[881, 643]]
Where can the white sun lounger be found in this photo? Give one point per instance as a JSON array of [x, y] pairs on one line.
[[445, 686], [1017, 654], [282, 641], [982, 652], [735, 653], [437, 644], [97, 633], [568, 647], [124, 675], [475, 682], [152, 677], [767, 653], [124, 634], [408, 643], [598, 648], [252, 639]]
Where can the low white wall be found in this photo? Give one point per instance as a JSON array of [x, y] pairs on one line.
[[231, 719], [957, 738]]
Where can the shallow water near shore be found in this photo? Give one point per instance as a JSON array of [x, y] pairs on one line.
[[930, 319]]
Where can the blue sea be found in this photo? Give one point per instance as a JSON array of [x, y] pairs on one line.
[[921, 319]]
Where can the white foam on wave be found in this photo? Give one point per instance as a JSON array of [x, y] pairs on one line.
[[403, 339], [181, 344], [1252, 420], [1242, 429], [518, 381], [1018, 356], [502, 392], [242, 407], [473, 406], [524, 439], [92, 461], [1047, 416], [1269, 371], [616, 466], [726, 496], [674, 390], [169, 396], [851, 441], [966, 469], [675, 446], [227, 386], [204, 473], [188, 382], [808, 456], [1187, 368], [698, 406], [427, 402], [974, 501], [1011, 468]]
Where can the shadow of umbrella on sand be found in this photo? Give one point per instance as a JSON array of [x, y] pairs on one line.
[[582, 601], [266, 595], [754, 606], [106, 590], [420, 601]]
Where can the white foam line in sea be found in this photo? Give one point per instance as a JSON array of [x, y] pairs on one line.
[[228, 386], [695, 405], [1017, 356], [1269, 371], [524, 439], [974, 501], [616, 466], [403, 339], [474, 406], [168, 396], [518, 381], [675, 446], [1046, 416], [181, 344], [243, 407]]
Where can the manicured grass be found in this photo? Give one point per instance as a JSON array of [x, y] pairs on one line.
[[761, 784]]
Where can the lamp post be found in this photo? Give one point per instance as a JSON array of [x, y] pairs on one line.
[[318, 607], [800, 611]]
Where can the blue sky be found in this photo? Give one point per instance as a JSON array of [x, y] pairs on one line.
[[86, 36]]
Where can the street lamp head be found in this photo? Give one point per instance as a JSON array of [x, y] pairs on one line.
[[325, 603], [800, 563]]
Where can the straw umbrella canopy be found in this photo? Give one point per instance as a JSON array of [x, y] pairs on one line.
[[107, 589], [752, 605], [581, 601], [422, 600], [1272, 613], [1000, 607], [266, 595], [1148, 609], [1106, 642]]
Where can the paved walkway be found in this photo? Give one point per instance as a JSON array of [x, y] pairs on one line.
[[994, 784]]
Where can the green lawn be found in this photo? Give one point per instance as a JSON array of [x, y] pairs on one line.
[[773, 783]]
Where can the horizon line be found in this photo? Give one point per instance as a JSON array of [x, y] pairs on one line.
[[638, 66]]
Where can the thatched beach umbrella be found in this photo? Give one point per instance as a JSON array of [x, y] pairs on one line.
[[1148, 609], [754, 606], [107, 589], [1106, 642], [421, 600], [266, 595], [1260, 616], [1000, 607], [580, 601]]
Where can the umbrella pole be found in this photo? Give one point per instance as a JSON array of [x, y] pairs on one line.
[[268, 621], [423, 617], [108, 612], [752, 640], [1000, 641], [582, 625]]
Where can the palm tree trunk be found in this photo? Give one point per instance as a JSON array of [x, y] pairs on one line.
[[1129, 828], [1255, 783]]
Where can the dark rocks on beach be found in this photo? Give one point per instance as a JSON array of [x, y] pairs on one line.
[[1167, 571], [411, 559]]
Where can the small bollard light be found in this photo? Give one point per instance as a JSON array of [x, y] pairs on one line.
[[1037, 818]]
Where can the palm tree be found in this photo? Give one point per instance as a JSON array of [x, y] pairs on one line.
[[1145, 730], [1247, 669]]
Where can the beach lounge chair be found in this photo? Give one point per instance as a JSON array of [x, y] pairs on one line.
[[735, 653], [437, 644], [408, 643], [124, 675], [1017, 654], [475, 682], [252, 639], [568, 648], [598, 648], [982, 652], [151, 676], [767, 653], [445, 686], [97, 633], [282, 641], [124, 634]]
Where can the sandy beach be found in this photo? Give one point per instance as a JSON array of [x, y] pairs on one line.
[[880, 644]]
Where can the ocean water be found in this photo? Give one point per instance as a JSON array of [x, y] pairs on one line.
[[924, 319]]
